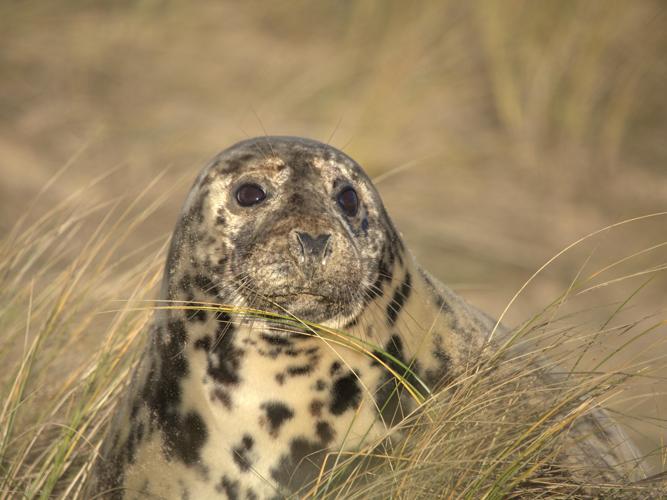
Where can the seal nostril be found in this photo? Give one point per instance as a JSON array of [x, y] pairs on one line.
[[313, 247]]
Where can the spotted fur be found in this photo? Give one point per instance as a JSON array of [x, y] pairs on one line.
[[231, 407]]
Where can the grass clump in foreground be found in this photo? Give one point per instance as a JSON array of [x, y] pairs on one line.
[[74, 321]]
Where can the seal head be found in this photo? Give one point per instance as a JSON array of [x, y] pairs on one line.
[[285, 224]]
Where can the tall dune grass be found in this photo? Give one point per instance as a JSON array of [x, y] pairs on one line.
[[74, 320], [65, 359]]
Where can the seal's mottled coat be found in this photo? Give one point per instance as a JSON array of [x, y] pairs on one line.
[[240, 408]]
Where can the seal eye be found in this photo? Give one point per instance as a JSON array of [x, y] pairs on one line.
[[250, 194], [348, 201]]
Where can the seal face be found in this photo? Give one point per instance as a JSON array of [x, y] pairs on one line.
[[235, 407], [290, 225], [299, 224]]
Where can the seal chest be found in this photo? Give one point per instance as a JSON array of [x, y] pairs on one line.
[[239, 406]]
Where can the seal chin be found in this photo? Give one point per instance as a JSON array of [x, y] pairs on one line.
[[306, 305]]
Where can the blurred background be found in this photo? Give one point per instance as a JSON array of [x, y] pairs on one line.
[[499, 131]]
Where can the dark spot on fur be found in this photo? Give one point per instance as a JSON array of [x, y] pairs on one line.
[[395, 347], [276, 413], [325, 432], [353, 322], [223, 396], [229, 487], [224, 358], [272, 353], [177, 331], [345, 394], [241, 453], [198, 315], [183, 435], [335, 368], [234, 164], [443, 306], [399, 299], [294, 371], [441, 374], [296, 199], [186, 286], [320, 385], [390, 394], [280, 378], [275, 339], [385, 275], [220, 217], [447, 311], [316, 408], [189, 437], [203, 343], [251, 495], [205, 284], [300, 466]]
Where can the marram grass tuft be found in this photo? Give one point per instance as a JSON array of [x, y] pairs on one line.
[[75, 323]]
